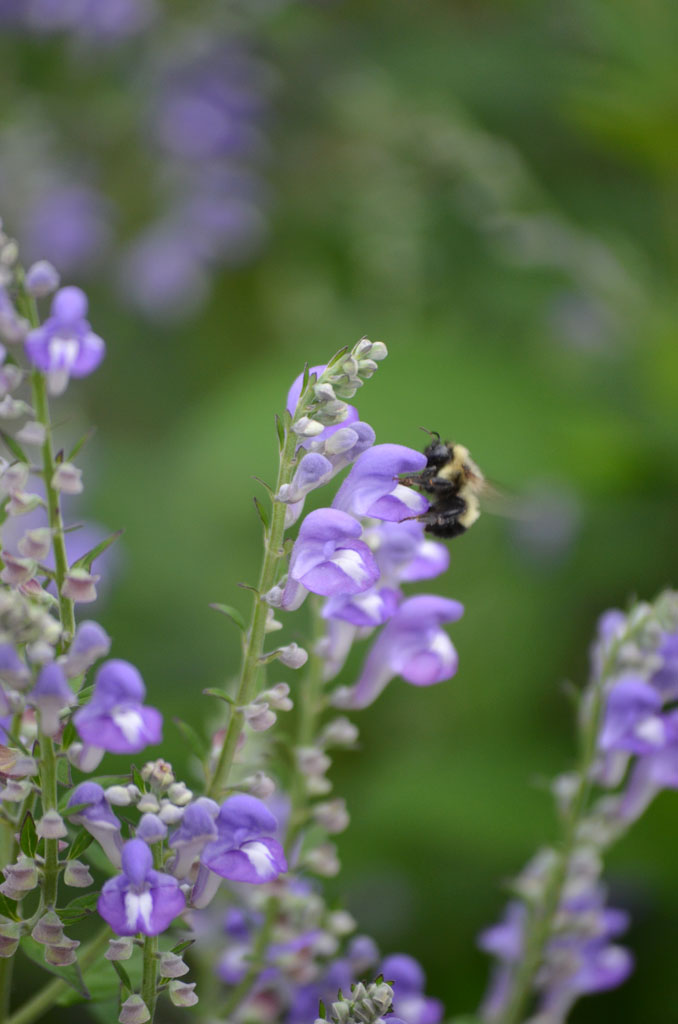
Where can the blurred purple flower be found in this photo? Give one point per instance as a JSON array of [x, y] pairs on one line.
[[371, 608], [412, 645], [68, 225], [632, 720], [404, 554], [408, 980], [140, 899]]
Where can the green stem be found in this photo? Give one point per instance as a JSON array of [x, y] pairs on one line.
[[48, 788], [47, 997], [6, 968], [541, 919], [149, 981], [255, 638]]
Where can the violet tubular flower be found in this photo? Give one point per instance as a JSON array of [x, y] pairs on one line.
[[407, 978], [140, 899], [372, 487], [97, 818], [413, 645], [65, 346], [328, 558], [245, 850], [115, 719]]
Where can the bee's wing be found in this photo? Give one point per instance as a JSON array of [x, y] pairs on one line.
[[497, 501]]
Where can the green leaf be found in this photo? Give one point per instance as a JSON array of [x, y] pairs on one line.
[[214, 691], [86, 561], [181, 946], [232, 613], [78, 908], [28, 838], [79, 444], [339, 356], [280, 430], [14, 446], [103, 983], [85, 694], [191, 736], [80, 844], [8, 908], [124, 977], [72, 974], [70, 736], [137, 779], [263, 514], [68, 812]]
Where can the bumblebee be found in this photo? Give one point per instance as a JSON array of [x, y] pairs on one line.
[[452, 481]]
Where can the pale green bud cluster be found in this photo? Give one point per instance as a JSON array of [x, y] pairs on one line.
[[367, 1005]]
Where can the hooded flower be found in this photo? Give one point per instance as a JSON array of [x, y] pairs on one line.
[[245, 850], [413, 645], [372, 487], [65, 345], [116, 718], [140, 899], [96, 816], [328, 558]]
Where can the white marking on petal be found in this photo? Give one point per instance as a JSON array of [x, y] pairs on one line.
[[351, 563], [260, 857], [651, 730], [442, 646], [63, 351], [370, 604], [130, 723], [408, 497], [138, 906]]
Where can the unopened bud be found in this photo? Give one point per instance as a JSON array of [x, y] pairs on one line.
[[181, 993], [332, 815], [259, 785], [77, 874], [159, 773], [148, 803], [318, 785], [41, 279], [323, 860], [171, 965], [120, 949], [170, 813], [293, 656], [340, 922], [62, 954], [179, 794], [378, 351], [272, 624], [51, 826], [49, 930], [312, 761], [305, 427], [118, 796], [278, 697], [340, 732], [134, 1011], [151, 828], [258, 716]]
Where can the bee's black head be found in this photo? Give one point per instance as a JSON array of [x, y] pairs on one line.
[[437, 453]]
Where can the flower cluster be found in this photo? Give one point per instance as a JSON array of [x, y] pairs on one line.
[[630, 752]]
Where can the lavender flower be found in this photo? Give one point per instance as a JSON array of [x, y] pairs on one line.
[[245, 850], [65, 345], [116, 718], [407, 978], [97, 817], [413, 645], [50, 695], [140, 899], [372, 488], [328, 558]]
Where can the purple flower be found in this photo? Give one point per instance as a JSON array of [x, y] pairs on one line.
[[50, 695], [404, 554], [412, 645], [665, 679], [197, 828], [372, 488], [371, 608], [328, 558], [651, 773], [140, 899], [69, 225], [65, 345], [90, 643], [632, 721], [245, 850], [97, 817], [408, 980], [116, 718]]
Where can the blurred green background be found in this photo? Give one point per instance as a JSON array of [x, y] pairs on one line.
[[491, 188]]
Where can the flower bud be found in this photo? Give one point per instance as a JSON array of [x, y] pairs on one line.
[[171, 965], [32, 433], [120, 948], [10, 933], [148, 803], [293, 656], [305, 427], [179, 794], [67, 479], [272, 624], [258, 716], [259, 785], [151, 828], [77, 874], [36, 543], [159, 773], [51, 826], [332, 815], [23, 874], [170, 813], [49, 930], [85, 757], [278, 697], [134, 1011], [340, 732], [318, 785], [41, 279], [312, 761], [340, 922], [63, 953], [181, 993], [80, 586], [322, 860], [119, 796]]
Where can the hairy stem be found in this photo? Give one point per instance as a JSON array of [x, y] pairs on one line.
[[255, 637], [541, 919], [47, 997], [149, 981]]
